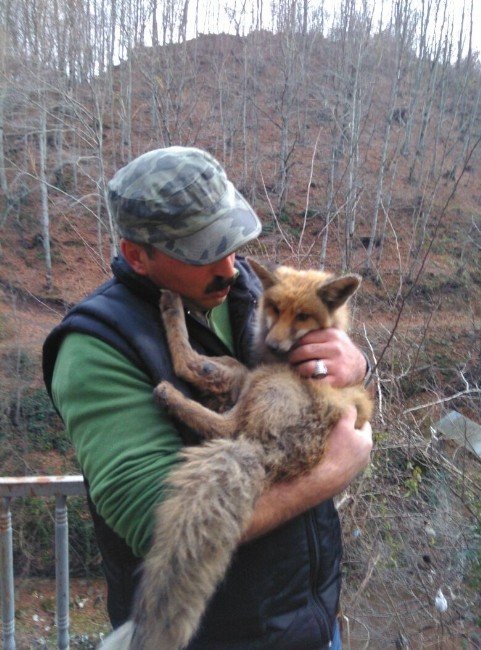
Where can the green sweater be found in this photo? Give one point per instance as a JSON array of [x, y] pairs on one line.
[[125, 444]]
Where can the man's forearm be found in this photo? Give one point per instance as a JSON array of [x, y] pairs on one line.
[[286, 500]]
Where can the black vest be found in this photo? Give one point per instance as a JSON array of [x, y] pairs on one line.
[[282, 590]]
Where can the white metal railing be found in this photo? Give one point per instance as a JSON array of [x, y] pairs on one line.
[[39, 486]]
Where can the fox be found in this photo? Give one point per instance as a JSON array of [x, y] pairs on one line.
[[269, 424]]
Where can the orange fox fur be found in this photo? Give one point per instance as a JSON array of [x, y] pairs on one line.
[[276, 429]]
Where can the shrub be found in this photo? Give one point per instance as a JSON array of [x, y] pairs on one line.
[[34, 535]]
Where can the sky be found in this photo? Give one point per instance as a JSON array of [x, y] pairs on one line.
[[213, 15]]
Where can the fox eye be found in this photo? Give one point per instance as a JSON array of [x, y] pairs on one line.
[[302, 317], [271, 306]]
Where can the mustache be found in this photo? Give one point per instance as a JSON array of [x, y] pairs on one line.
[[219, 283]]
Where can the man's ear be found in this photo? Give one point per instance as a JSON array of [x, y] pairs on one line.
[[336, 292], [135, 254], [266, 276]]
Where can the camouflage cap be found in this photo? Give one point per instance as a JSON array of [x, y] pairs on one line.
[[179, 200]]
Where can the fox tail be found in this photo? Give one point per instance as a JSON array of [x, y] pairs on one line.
[[120, 639], [198, 528]]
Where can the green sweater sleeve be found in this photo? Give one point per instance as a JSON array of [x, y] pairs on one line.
[[125, 444]]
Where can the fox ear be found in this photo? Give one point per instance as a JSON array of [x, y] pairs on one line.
[[336, 292], [265, 275]]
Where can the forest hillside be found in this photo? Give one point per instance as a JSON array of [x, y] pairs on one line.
[[357, 140]]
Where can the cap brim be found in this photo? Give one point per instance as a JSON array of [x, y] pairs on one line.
[[236, 225]]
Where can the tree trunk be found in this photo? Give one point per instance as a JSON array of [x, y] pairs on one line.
[[3, 175], [44, 215]]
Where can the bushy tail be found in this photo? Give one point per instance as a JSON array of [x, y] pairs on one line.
[[119, 639], [199, 526]]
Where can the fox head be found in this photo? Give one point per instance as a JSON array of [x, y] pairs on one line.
[[297, 302]]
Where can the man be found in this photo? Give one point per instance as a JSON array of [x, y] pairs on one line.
[[180, 221]]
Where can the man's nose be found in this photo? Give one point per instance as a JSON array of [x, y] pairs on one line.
[[225, 267]]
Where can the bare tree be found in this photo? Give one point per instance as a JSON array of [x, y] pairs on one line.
[[402, 33], [45, 216], [290, 21], [354, 89], [3, 92]]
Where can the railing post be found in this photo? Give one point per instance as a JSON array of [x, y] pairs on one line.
[[40, 486], [6, 576], [61, 571]]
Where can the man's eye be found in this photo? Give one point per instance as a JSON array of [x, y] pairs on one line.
[[302, 317]]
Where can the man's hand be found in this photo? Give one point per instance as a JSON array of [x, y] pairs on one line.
[[348, 451], [345, 363]]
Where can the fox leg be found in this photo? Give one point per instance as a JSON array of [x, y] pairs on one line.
[[210, 374], [364, 406], [207, 423], [358, 397]]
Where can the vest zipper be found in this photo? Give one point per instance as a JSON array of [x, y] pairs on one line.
[[319, 609]]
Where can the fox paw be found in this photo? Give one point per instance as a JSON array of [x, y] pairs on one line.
[[162, 393], [170, 302]]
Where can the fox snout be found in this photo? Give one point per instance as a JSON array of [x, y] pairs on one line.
[[279, 347]]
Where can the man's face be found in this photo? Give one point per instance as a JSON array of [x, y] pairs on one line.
[[206, 286]]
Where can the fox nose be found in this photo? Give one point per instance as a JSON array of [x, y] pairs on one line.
[[273, 346], [277, 347]]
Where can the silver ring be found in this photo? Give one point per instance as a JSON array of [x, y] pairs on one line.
[[320, 369]]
